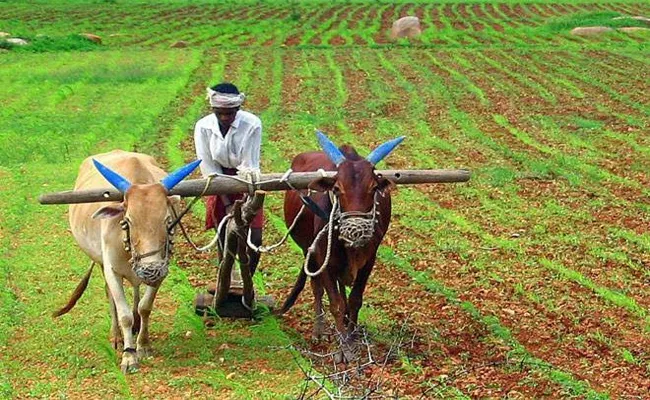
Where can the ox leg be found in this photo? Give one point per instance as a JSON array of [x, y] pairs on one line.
[[144, 309], [356, 299], [136, 315], [116, 334], [319, 313], [337, 308], [125, 318], [345, 301]]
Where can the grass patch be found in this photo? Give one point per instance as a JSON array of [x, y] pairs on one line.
[[606, 18]]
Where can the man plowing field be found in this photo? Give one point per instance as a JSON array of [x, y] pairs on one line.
[[339, 228], [228, 141]]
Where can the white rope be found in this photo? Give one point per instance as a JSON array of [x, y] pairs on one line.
[[330, 229], [268, 249]]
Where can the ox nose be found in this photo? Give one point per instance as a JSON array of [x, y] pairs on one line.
[[151, 273]]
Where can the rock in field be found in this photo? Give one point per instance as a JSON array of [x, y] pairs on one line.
[[18, 41], [590, 30], [181, 44], [5, 34], [633, 29], [406, 27], [92, 37], [636, 17]]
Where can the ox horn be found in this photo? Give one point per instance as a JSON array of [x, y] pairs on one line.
[[330, 149], [118, 181], [175, 177], [383, 150]]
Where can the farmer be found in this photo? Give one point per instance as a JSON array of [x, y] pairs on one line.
[[228, 141]]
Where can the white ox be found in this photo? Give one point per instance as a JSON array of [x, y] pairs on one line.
[[132, 240]]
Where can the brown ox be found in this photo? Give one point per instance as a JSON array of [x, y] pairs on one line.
[[361, 206], [131, 240]]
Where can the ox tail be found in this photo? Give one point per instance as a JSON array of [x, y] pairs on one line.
[[76, 295], [295, 291]]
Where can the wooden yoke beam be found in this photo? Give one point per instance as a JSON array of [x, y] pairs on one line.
[[267, 182]]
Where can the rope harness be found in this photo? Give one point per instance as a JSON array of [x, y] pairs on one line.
[[356, 229], [151, 273]]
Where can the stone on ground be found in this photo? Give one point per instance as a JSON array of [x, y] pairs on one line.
[[181, 44], [406, 27], [92, 37], [590, 30], [18, 41]]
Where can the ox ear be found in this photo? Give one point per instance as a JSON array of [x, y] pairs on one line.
[[322, 184], [175, 201], [108, 212], [385, 185]]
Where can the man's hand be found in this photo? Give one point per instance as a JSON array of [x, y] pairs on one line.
[[249, 174]]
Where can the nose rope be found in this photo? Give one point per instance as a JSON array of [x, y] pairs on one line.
[[151, 272], [329, 228], [355, 228], [358, 228]]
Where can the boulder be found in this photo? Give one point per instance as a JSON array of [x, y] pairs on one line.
[[636, 17], [181, 44], [92, 37], [406, 27], [633, 29], [590, 30], [17, 41], [5, 34]]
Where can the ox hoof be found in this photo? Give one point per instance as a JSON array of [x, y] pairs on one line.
[[129, 363], [347, 354], [318, 333]]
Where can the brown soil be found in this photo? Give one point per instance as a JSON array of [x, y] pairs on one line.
[[457, 22], [337, 40], [465, 15], [294, 39], [388, 16], [476, 9], [434, 12], [493, 14], [358, 18], [623, 339], [340, 16]]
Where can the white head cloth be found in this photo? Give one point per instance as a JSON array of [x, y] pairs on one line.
[[225, 100]]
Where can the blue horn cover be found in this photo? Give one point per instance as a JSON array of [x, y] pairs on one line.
[[383, 150], [330, 149], [115, 179], [175, 177]]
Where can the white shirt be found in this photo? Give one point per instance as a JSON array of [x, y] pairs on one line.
[[240, 148]]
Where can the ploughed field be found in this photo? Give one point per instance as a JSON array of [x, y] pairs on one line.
[[532, 280]]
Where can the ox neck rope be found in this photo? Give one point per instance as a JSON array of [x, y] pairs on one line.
[[355, 228], [150, 273]]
